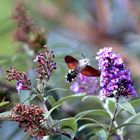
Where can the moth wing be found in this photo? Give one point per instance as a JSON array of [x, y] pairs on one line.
[[71, 62], [90, 71]]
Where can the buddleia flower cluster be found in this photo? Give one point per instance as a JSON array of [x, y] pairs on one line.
[[23, 82], [115, 79], [30, 118], [45, 67]]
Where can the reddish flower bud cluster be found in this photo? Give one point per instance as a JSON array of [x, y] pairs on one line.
[[23, 22], [23, 82], [45, 65], [30, 118], [37, 39], [25, 31]]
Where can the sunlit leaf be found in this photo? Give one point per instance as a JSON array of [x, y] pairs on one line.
[[51, 100], [135, 103], [128, 107], [101, 134], [123, 126], [47, 114], [69, 98], [5, 114], [93, 137], [63, 89], [61, 101], [95, 112], [104, 126], [130, 121], [68, 123], [111, 103], [92, 98], [4, 103], [33, 96], [89, 125]]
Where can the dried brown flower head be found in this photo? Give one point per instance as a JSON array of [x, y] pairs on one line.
[[30, 118], [23, 22]]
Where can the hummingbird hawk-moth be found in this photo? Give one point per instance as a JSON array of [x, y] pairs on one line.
[[79, 66]]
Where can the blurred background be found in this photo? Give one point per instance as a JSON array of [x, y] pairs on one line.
[[71, 27]]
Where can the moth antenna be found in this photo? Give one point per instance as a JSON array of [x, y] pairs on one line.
[[82, 55]]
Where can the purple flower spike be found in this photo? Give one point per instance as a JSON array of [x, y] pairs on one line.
[[85, 84], [115, 79], [45, 64], [23, 82]]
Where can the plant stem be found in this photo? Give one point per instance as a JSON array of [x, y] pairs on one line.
[[112, 119], [50, 120], [114, 122], [60, 132]]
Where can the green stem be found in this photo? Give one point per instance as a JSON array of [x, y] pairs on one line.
[[114, 122], [50, 120], [113, 116]]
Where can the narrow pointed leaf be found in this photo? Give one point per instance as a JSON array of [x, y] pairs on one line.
[[135, 103], [69, 123], [51, 100], [89, 125], [4, 103], [128, 107], [96, 112], [123, 126], [101, 134], [92, 98], [61, 101], [69, 98]]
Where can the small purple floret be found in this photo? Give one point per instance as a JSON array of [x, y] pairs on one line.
[[23, 82], [85, 84]]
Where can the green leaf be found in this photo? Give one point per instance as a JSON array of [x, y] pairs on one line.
[[91, 98], [89, 125], [135, 103], [131, 119], [93, 138], [61, 101], [93, 132], [5, 114], [94, 112], [111, 103], [123, 126], [69, 98], [32, 96], [63, 89], [47, 114], [4, 103], [101, 134], [104, 126], [128, 107], [50, 99], [68, 123]]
